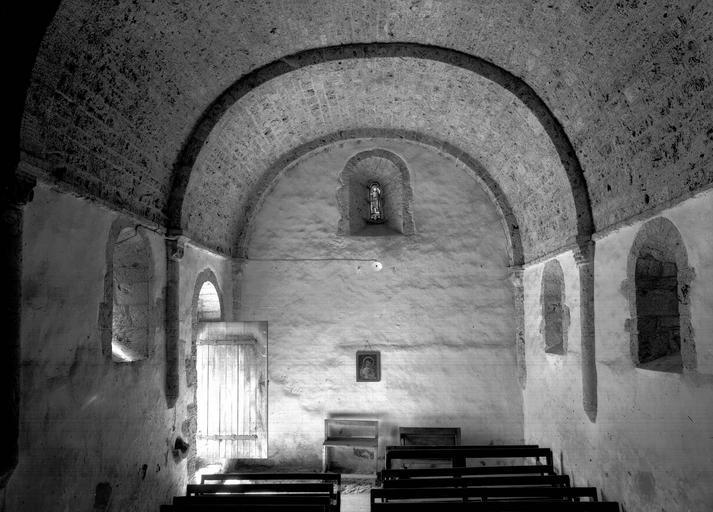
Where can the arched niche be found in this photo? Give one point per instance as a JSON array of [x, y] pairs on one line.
[[126, 319], [555, 313], [658, 284], [361, 175]]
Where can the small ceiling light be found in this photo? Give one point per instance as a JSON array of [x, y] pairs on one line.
[[376, 265]]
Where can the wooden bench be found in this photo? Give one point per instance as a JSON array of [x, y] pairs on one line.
[[396, 474], [335, 478], [273, 489], [484, 493], [498, 506], [248, 507], [255, 499], [307, 492], [458, 454], [420, 436], [479, 481]]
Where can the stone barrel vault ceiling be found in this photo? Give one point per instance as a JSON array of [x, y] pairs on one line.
[[396, 97], [120, 89]]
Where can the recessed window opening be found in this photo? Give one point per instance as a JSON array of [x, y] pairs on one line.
[[375, 197], [131, 292], [554, 311], [658, 284], [658, 320], [208, 308]]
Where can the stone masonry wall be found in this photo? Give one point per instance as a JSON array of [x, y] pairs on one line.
[[95, 434], [117, 87], [650, 448]]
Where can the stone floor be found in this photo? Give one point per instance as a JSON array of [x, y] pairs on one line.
[[358, 502], [355, 493]]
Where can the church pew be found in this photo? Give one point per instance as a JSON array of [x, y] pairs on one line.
[[264, 487], [255, 507], [254, 499], [460, 446], [277, 482], [395, 474], [252, 502], [419, 436], [498, 506], [458, 454], [483, 493], [480, 481], [336, 478]]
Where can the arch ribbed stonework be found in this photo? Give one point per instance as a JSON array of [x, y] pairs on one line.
[[117, 92], [473, 167], [185, 167]]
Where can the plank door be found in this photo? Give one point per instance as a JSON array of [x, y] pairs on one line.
[[230, 394]]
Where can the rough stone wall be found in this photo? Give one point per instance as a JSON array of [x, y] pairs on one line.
[[117, 86], [95, 435], [440, 310], [650, 447]]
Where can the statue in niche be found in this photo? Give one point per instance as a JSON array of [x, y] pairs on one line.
[[376, 203]]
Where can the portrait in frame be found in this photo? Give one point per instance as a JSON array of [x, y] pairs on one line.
[[368, 366]]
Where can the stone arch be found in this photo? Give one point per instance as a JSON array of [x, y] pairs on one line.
[[555, 313], [206, 276], [126, 325], [657, 286], [185, 162], [509, 221], [394, 177]]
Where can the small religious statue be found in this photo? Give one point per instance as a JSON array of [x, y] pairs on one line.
[[376, 203]]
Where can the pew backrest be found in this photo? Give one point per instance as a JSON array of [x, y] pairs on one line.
[[483, 493], [458, 454], [498, 506], [480, 481], [395, 474]]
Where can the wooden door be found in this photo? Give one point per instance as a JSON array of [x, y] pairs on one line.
[[230, 393]]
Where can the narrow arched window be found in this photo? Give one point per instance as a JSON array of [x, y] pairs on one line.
[[658, 282], [208, 307], [554, 311], [131, 278]]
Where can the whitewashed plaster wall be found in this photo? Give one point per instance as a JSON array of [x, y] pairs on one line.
[[440, 311], [86, 420], [651, 447]]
